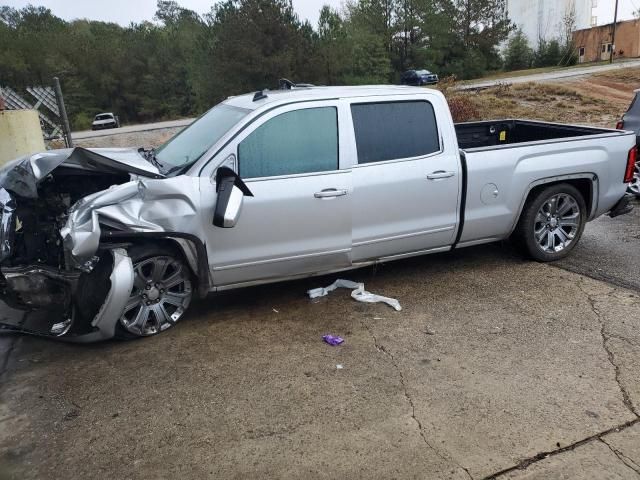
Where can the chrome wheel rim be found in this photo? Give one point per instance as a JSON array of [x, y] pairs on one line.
[[557, 223], [634, 186], [161, 294]]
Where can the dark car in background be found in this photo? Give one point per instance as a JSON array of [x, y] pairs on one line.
[[631, 121], [417, 78]]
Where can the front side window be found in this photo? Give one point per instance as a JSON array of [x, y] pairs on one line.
[[394, 130], [301, 141]]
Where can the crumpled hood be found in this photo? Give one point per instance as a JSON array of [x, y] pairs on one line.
[[22, 175]]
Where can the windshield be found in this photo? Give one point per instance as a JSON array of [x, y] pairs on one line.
[[190, 144], [423, 72], [104, 116]]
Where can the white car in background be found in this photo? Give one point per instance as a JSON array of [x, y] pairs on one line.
[[105, 120]]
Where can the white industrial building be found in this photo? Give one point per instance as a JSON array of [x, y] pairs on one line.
[[544, 18]]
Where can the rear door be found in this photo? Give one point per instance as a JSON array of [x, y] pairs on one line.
[[406, 184]]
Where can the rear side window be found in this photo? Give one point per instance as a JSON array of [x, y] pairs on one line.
[[394, 130], [301, 141]]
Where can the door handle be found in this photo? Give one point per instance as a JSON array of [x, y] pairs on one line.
[[330, 193], [440, 174]]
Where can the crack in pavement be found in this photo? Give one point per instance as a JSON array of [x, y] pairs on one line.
[[626, 398], [524, 464], [622, 457], [381, 348]]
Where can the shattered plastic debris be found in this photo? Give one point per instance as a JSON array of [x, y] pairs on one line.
[[358, 293], [334, 341]]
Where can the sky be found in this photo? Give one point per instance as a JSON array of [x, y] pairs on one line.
[[127, 11]]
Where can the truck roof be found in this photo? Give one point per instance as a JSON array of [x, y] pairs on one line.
[[321, 93]]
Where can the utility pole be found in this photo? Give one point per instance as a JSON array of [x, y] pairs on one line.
[[63, 112], [613, 35]]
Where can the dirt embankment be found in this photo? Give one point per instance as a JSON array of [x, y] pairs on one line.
[[597, 100]]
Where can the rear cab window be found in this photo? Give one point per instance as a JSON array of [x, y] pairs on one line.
[[394, 130]]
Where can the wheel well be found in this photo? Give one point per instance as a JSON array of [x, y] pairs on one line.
[[200, 268], [167, 244], [583, 185]]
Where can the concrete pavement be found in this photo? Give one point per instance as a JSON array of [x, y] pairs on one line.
[[495, 367]]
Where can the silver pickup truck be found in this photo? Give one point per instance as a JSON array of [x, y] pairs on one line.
[[286, 184]]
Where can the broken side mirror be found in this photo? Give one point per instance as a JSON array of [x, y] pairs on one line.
[[231, 191]]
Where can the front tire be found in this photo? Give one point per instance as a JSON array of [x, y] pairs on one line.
[[552, 223], [162, 291]]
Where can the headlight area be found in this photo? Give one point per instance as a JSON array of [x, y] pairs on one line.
[[37, 274]]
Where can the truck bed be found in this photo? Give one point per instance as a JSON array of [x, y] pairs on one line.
[[508, 132], [505, 159]]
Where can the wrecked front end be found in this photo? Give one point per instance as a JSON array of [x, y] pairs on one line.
[[57, 207]]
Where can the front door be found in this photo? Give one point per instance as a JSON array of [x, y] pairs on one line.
[[299, 219]]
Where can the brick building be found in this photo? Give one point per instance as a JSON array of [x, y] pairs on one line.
[[594, 44]]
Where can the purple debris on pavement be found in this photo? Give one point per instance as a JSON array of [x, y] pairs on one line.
[[333, 341]]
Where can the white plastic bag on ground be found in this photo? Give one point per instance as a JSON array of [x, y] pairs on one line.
[[358, 293]]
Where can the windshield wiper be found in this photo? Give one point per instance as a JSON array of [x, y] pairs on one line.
[[150, 156], [179, 169]]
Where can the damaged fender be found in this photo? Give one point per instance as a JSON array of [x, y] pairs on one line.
[[144, 207], [61, 209]]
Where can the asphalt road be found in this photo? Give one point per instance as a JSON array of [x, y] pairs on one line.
[[609, 251], [144, 127], [551, 76]]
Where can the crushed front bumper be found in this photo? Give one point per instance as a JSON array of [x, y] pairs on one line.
[[623, 206], [48, 287]]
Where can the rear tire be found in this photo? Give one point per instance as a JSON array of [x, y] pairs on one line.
[[161, 293], [551, 223]]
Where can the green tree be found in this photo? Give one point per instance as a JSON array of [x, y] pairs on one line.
[[334, 47], [548, 54], [182, 63], [519, 54]]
